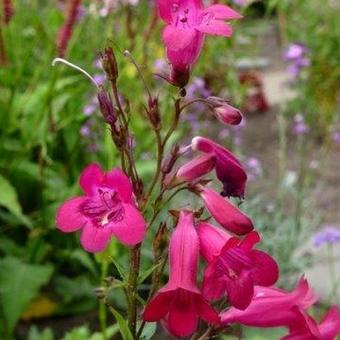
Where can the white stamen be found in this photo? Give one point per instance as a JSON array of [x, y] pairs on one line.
[[61, 60]]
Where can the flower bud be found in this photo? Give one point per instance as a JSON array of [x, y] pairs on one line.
[[8, 10], [109, 63], [153, 113], [106, 106], [196, 168], [224, 112], [225, 213]]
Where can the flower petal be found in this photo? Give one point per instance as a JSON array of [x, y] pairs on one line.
[[206, 312], [213, 286], [69, 217], [90, 178], [157, 308], [131, 229], [215, 27], [266, 271], [183, 318], [95, 239], [116, 179], [177, 39], [240, 291], [330, 324], [222, 12], [164, 10]]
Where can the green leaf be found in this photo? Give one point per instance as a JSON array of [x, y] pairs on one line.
[[148, 331], [110, 332], [19, 284], [35, 334], [9, 197], [122, 324], [144, 275], [119, 268], [77, 333], [85, 259]]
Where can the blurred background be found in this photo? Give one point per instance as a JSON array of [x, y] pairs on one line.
[[282, 67]]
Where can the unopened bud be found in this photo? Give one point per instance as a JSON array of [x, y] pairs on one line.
[[224, 112], [8, 10], [153, 113], [109, 63], [196, 168], [106, 106]]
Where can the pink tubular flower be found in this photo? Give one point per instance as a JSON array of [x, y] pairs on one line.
[[66, 30], [186, 24], [225, 213], [308, 329], [236, 269], [196, 168], [180, 302], [8, 10], [272, 307], [106, 209], [228, 168]]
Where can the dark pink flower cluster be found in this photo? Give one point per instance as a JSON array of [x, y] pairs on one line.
[[236, 274], [233, 267], [235, 271]]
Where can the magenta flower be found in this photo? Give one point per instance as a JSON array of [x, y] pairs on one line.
[[237, 269], [228, 168], [106, 209], [306, 328], [180, 302], [186, 24], [225, 213], [272, 307]]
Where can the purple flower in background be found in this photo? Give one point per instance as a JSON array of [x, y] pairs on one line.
[[99, 78], [254, 168], [90, 107], [296, 55], [336, 137], [161, 66], [300, 127], [85, 131], [197, 88], [295, 51], [328, 234]]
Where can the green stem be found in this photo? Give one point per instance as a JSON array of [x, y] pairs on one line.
[[102, 307], [282, 153], [132, 286], [3, 56], [332, 273]]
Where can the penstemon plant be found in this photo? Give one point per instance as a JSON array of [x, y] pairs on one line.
[[237, 279]]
